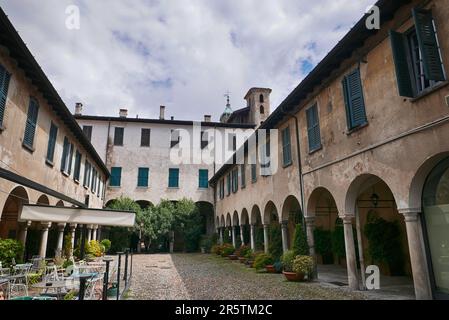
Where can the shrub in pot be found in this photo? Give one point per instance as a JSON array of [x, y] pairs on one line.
[[287, 260], [216, 249], [227, 249], [303, 266], [300, 245], [262, 260]]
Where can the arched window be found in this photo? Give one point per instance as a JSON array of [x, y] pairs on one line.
[[261, 98], [262, 110]]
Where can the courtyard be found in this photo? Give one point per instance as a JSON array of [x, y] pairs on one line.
[[210, 277]]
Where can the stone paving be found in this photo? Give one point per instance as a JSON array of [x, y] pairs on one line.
[[205, 277]]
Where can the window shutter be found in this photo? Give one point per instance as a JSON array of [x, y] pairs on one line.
[[69, 169], [313, 128], [400, 54], [4, 85], [118, 136], [355, 105], [428, 44], [52, 142], [30, 127], [116, 174], [143, 177], [65, 151]]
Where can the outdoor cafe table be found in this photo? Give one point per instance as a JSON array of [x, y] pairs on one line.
[[57, 285]]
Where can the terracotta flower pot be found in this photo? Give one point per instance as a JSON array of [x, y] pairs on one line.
[[233, 257], [250, 263], [293, 276], [242, 259], [270, 268]]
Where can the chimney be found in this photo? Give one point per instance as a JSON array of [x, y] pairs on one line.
[[123, 113], [172, 118], [207, 118], [78, 109], [162, 113]]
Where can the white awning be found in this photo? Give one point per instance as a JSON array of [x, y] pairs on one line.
[[77, 215]]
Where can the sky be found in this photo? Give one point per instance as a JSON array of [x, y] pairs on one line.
[[184, 54]]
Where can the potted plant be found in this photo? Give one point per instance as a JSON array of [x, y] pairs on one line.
[[250, 256], [241, 253], [287, 262], [262, 261], [216, 249], [302, 267], [205, 244], [226, 250]]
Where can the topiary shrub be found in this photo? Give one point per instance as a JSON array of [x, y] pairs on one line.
[[275, 245], [300, 245], [323, 244], [10, 249], [106, 244], [227, 249], [262, 260], [303, 265]]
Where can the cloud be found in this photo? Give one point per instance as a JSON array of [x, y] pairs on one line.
[[139, 54]]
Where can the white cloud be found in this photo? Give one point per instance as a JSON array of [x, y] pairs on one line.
[[141, 54]]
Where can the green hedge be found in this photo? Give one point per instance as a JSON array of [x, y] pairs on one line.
[[10, 249]]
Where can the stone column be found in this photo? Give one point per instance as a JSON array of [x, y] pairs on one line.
[[350, 253], [44, 238], [284, 229], [94, 233], [61, 228], [99, 233], [72, 233], [252, 235], [418, 262], [265, 237], [24, 232], [241, 235], [310, 226], [89, 233], [220, 232], [234, 240]]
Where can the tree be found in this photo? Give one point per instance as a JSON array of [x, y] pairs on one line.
[[187, 222], [300, 245], [275, 246]]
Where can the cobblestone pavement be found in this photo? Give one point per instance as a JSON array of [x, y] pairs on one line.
[[204, 277]]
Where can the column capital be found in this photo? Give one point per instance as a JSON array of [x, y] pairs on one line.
[[61, 226], [45, 225], [347, 219], [73, 225], [410, 214], [310, 220], [284, 223]]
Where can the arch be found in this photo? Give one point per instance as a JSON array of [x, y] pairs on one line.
[[244, 217], [144, 204], [9, 225], [222, 221], [60, 203], [419, 179], [261, 98], [320, 195], [262, 110], [357, 186], [43, 200], [256, 215], [270, 213], [109, 203], [235, 219], [206, 212], [290, 207], [217, 222], [228, 220]]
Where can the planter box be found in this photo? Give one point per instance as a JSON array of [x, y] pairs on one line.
[[233, 257], [242, 259], [270, 268], [294, 277]]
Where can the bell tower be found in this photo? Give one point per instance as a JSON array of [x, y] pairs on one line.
[[258, 101]]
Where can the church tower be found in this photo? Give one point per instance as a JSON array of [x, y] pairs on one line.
[[258, 101], [227, 111]]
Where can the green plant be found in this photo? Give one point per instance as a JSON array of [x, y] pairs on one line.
[[227, 249], [34, 278], [106, 244], [262, 260], [9, 250], [385, 246], [338, 241], [300, 245], [216, 249], [249, 254], [303, 264], [287, 260], [67, 263], [323, 244], [206, 243], [71, 295], [242, 251], [275, 246], [278, 266], [67, 250], [94, 248]]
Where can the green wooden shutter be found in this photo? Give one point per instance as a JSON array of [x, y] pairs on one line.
[[398, 45], [203, 178], [69, 169], [76, 174], [428, 44], [30, 127], [65, 151], [116, 177], [142, 180], [52, 142], [173, 178], [313, 128], [4, 85], [355, 104]]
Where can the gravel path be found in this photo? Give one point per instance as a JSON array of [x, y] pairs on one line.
[[209, 277]]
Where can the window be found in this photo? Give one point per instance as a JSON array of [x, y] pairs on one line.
[[221, 188], [67, 155], [232, 141], [203, 178], [30, 127], [228, 184], [173, 178], [313, 129], [265, 165], [243, 174], [87, 130], [174, 138], [87, 169], [52, 142], [417, 56], [93, 184], [204, 139], [100, 184], [286, 147], [5, 76], [118, 136], [116, 177], [262, 110], [235, 180], [253, 173], [355, 104], [145, 138], [76, 172], [261, 99], [142, 177]]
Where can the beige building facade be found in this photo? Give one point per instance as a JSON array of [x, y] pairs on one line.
[[372, 134]]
